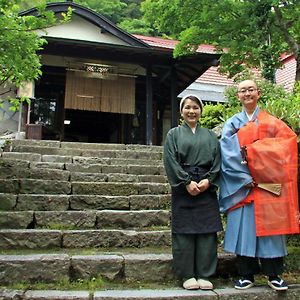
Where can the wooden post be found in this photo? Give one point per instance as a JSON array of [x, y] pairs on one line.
[[174, 102], [149, 106]]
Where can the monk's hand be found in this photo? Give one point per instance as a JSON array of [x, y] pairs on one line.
[[193, 188], [203, 185]]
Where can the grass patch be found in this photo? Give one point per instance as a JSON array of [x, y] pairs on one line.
[[91, 285], [88, 251]]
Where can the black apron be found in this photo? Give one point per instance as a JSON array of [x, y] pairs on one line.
[[195, 214]]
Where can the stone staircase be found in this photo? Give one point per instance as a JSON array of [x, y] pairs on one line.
[[79, 211]]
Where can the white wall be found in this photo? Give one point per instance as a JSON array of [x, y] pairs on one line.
[[80, 29]]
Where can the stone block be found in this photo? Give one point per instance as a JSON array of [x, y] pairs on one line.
[[148, 294], [6, 294], [7, 201], [133, 154], [119, 177], [152, 178], [16, 219], [149, 267], [92, 146], [259, 292], [27, 156], [108, 169], [42, 202], [9, 186], [91, 160], [32, 268], [153, 188], [48, 165], [154, 238], [47, 174], [88, 177], [40, 186], [56, 158], [57, 295], [104, 188], [79, 202], [132, 219], [99, 238], [10, 169], [138, 202], [89, 266], [142, 170], [65, 219], [88, 168], [43, 143], [99, 153], [29, 239]]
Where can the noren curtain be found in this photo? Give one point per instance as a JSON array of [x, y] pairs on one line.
[[96, 94]]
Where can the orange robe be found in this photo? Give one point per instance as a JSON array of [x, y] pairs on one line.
[[271, 152]]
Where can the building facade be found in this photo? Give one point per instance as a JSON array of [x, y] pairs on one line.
[[101, 84]]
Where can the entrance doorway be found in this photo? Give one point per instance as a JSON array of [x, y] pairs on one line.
[[92, 127]]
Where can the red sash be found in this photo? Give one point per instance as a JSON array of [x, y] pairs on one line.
[[272, 158]]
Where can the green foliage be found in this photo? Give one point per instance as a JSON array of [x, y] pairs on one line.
[[212, 115], [248, 33], [112, 9], [136, 26], [19, 44], [274, 99], [286, 109]]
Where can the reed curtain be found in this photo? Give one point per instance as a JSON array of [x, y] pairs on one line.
[[95, 94]]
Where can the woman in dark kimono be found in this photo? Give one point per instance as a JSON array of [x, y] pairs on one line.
[[192, 163]]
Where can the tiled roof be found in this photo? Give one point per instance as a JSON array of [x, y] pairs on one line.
[[284, 76], [210, 76], [170, 44], [214, 77]]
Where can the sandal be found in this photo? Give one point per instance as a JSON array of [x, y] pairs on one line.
[[191, 284]]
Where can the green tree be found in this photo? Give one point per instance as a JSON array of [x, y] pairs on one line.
[[136, 26], [112, 9], [248, 33], [19, 43], [126, 14]]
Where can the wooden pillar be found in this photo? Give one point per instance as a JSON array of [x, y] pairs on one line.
[[149, 106], [174, 102]]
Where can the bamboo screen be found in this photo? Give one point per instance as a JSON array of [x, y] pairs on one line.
[[94, 94]]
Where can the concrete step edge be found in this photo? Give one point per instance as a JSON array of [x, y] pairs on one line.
[[260, 292]]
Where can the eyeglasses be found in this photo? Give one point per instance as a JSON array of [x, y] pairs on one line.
[[244, 91]]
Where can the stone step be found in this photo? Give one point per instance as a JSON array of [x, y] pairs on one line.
[[71, 239], [91, 173], [82, 145], [11, 167], [45, 160], [122, 154], [125, 169], [40, 186], [260, 292], [127, 267], [115, 219], [54, 202]]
